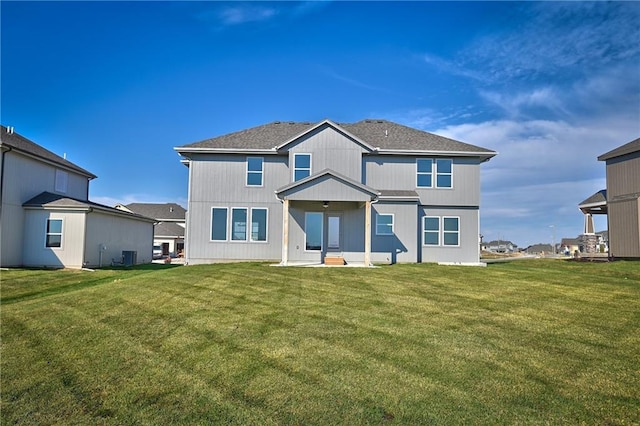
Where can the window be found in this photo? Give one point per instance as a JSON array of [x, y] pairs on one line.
[[54, 233], [431, 230], [313, 231], [301, 166], [442, 168], [425, 167], [239, 224], [62, 178], [255, 169], [258, 224], [219, 224], [384, 224], [451, 231], [443, 173]]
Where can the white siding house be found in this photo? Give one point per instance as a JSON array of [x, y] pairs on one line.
[[367, 192], [47, 220]]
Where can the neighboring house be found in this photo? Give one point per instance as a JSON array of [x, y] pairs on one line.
[[569, 246], [47, 220], [620, 201], [540, 249], [168, 233], [371, 191], [500, 246]]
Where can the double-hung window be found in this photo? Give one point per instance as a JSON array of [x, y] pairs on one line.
[[434, 173], [431, 230], [255, 171], [301, 166], [53, 233], [451, 231], [384, 224]]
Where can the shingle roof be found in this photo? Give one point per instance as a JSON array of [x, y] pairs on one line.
[[20, 143], [599, 197], [168, 229], [50, 200], [633, 146], [382, 134], [166, 211]]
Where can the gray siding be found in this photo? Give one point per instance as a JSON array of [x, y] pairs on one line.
[[23, 179], [402, 246], [469, 249], [69, 255], [116, 233], [624, 228], [623, 175], [385, 172], [330, 149]]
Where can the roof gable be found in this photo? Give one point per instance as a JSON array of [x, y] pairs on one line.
[[15, 141], [321, 126], [311, 188]]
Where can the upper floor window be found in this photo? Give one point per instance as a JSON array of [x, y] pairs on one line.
[[255, 171], [439, 170], [384, 224], [54, 233], [60, 184], [301, 166]]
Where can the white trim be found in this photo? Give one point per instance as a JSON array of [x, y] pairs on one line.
[[266, 234], [47, 233], [434, 173], [321, 232], [226, 225], [247, 171], [418, 173], [246, 225], [293, 174], [435, 162], [393, 221]]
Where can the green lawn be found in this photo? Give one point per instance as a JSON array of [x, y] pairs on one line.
[[527, 342]]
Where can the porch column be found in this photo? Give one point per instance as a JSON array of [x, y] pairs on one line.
[[367, 233], [285, 231], [588, 223]]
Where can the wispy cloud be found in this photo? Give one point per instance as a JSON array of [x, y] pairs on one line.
[[243, 13], [559, 37]]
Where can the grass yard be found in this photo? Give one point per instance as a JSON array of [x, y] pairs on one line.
[[527, 342]]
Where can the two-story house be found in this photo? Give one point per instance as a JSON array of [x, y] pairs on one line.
[[47, 220], [361, 193]]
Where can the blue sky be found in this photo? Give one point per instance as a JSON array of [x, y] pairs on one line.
[[117, 85]]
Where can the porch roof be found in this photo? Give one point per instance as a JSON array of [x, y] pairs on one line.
[[595, 204], [327, 185]]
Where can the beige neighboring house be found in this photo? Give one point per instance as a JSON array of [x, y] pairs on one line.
[[47, 220], [168, 233], [620, 201]]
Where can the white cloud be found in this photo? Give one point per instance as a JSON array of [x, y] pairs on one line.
[[243, 13]]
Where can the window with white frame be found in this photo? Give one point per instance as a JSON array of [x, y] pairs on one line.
[[259, 224], [255, 171], [428, 168], [451, 231], [53, 238], [238, 224], [424, 168], [61, 181], [431, 230], [444, 173], [301, 166], [384, 224], [219, 223]]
